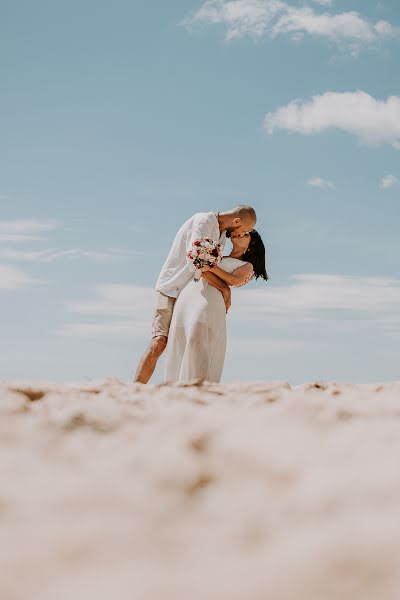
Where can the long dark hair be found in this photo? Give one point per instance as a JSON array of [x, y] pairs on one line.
[[255, 254]]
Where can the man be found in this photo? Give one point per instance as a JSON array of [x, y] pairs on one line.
[[178, 270]]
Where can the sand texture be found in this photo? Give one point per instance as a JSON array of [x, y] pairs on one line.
[[251, 491]]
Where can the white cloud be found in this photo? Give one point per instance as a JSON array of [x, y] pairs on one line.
[[345, 27], [319, 182], [374, 122], [11, 279], [388, 181], [133, 329], [321, 303], [51, 254], [339, 302], [131, 305], [119, 300], [258, 18], [21, 230], [267, 347], [371, 297], [241, 17]]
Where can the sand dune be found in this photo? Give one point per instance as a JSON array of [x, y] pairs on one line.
[[204, 492]]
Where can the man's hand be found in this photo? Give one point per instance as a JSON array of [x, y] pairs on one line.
[[221, 286]]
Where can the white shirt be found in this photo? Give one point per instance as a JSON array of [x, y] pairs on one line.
[[178, 269]]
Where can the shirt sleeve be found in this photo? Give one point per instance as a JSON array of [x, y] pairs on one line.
[[202, 227]]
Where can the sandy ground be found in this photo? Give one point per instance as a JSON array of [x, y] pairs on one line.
[[235, 492]]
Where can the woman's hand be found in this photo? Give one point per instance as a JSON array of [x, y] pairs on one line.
[[206, 268]]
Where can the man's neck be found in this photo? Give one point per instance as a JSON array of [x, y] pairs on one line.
[[223, 221]]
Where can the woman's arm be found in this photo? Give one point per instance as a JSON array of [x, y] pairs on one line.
[[236, 278]]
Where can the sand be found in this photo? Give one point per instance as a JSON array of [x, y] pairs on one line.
[[231, 491]]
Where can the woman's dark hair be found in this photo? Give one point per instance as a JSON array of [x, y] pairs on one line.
[[255, 254]]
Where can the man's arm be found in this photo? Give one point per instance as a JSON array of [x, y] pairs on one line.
[[223, 287]]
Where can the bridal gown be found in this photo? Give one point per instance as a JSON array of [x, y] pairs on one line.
[[197, 337]]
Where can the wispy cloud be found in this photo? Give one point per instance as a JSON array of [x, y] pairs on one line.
[[11, 278], [388, 181], [119, 300], [374, 122], [350, 302], [259, 18], [319, 182], [273, 347], [133, 329], [51, 254], [22, 230], [340, 302], [130, 306]]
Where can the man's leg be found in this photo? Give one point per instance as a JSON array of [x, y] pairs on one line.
[[160, 329], [149, 359]]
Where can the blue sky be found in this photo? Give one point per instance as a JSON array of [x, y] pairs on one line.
[[120, 120]]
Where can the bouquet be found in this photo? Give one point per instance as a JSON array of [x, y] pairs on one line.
[[204, 253]]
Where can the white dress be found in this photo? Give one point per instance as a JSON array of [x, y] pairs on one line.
[[197, 337]]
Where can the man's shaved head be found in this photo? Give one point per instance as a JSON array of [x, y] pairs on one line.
[[237, 221], [246, 213]]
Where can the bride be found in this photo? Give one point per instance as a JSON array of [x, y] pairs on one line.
[[197, 336]]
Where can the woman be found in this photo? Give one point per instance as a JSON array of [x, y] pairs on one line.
[[197, 336]]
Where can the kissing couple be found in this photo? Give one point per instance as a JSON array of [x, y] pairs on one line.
[[190, 315]]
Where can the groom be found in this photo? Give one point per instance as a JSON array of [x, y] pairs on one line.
[[178, 270]]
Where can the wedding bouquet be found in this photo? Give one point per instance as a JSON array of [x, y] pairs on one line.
[[204, 253]]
